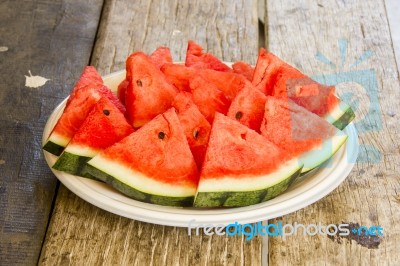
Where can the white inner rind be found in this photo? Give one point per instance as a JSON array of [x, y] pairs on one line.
[[337, 112], [320, 154], [249, 183], [140, 181], [81, 150], [58, 139]]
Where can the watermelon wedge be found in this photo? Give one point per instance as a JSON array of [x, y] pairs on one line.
[[208, 98], [161, 56], [88, 90], [243, 69], [194, 124], [104, 126], [153, 164], [300, 133], [197, 59], [242, 167], [248, 107], [148, 93], [274, 77]]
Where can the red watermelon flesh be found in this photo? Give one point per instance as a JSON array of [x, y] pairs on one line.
[[79, 107], [89, 77], [161, 56], [196, 127], [86, 93], [275, 77], [248, 107], [265, 71], [208, 98], [148, 93], [179, 75], [243, 69], [236, 151], [229, 83], [104, 126], [292, 127], [197, 59], [159, 150], [121, 91], [317, 98]]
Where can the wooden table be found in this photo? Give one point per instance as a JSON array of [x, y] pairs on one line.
[[43, 222]]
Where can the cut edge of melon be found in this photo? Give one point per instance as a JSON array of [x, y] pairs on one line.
[[136, 180], [323, 152], [81, 150], [249, 183], [340, 116], [56, 143], [246, 191]]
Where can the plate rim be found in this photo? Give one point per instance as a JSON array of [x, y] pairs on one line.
[[293, 199]]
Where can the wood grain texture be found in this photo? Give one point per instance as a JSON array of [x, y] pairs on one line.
[[297, 30], [80, 233], [228, 29], [52, 39]]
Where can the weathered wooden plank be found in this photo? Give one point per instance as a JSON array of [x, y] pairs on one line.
[[297, 31], [393, 10], [81, 233], [52, 39]]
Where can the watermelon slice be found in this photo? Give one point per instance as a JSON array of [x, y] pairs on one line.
[[88, 90], [243, 69], [148, 93], [179, 75], [242, 167], [248, 107], [195, 125], [161, 56], [300, 133], [208, 98], [197, 59], [104, 126], [275, 77], [153, 164]]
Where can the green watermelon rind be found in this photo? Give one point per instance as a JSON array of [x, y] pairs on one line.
[[53, 148], [123, 179], [137, 194], [341, 115], [56, 143], [237, 198], [318, 156], [71, 163]]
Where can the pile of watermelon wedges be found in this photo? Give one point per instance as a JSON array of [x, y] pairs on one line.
[[202, 133]]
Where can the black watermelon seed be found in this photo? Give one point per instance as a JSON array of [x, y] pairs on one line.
[[196, 133], [139, 83], [238, 115], [161, 135], [106, 112]]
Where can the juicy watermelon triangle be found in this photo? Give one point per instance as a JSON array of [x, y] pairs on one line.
[[84, 96], [161, 56], [300, 133], [195, 125], [149, 93], [153, 164], [242, 167], [208, 98], [104, 126], [197, 59], [273, 76], [248, 107]]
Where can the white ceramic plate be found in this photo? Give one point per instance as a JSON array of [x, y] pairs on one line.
[[303, 192]]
